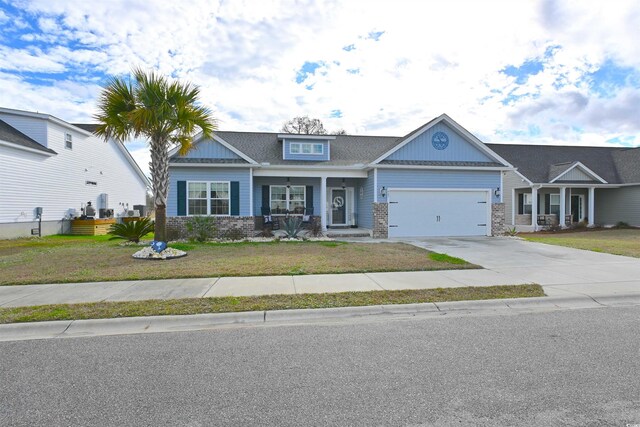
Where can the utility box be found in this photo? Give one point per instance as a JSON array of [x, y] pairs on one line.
[[104, 201], [142, 209]]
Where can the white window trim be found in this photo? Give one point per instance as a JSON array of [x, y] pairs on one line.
[[524, 203], [68, 141], [288, 198], [209, 199], [553, 204], [311, 146]]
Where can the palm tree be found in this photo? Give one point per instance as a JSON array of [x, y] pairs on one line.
[[167, 113]]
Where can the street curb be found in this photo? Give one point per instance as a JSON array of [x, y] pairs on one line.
[[194, 322]]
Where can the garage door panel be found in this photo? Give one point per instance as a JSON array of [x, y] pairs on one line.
[[437, 213]]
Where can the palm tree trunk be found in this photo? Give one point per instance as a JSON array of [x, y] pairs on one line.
[[159, 168]]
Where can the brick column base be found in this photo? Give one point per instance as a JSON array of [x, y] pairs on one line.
[[497, 219], [380, 221]]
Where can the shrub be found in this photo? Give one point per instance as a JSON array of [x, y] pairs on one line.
[[201, 228], [554, 228], [131, 231], [265, 232], [315, 229], [292, 226], [234, 234], [511, 232], [579, 225], [621, 224]]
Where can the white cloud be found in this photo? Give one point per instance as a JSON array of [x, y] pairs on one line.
[[432, 57]]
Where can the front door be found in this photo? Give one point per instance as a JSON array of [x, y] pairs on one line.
[[338, 206], [576, 208]]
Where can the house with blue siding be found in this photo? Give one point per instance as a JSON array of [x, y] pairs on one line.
[[438, 180]]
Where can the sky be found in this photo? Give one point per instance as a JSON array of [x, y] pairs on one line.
[[526, 71]]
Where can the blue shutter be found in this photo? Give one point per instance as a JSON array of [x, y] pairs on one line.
[[182, 198], [266, 205], [547, 204], [520, 204], [235, 198], [309, 198]]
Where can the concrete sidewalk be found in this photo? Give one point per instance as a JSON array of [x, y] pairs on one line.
[[71, 293]]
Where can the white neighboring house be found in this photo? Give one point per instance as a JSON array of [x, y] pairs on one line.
[[58, 166]]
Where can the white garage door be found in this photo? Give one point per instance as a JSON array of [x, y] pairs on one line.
[[426, 212]]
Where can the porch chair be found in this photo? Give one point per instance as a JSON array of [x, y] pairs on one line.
[[307, 216], [268, 219]]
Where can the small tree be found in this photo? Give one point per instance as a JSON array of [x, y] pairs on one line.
[[166, 112], [304, 125]]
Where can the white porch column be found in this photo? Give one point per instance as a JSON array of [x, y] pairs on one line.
[[323, 202], [534, 208], [592, 204], [563, 206]]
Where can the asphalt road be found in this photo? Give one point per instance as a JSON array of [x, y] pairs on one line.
[[574, 367]]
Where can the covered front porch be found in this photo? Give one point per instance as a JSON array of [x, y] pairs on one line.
[[545, 206], [336, 199]]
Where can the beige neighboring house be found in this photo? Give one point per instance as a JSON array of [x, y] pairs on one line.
[[564, 185], [57, 166]]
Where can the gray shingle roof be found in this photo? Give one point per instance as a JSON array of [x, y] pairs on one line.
[[345, 149], [538, 162], [89, 127], [627, 162], [558, 169], [10, 134]]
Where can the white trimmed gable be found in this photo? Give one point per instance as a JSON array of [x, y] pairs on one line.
[[442, 140]]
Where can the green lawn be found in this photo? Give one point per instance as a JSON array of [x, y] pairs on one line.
[[59, 259], [104, 310], [614, 241]]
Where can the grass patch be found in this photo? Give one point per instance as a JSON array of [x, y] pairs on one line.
[[105, 310], [435, 256], [60, 259], [613, 241]]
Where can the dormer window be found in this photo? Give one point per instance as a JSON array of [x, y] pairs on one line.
[[68, 141], [307, 148]]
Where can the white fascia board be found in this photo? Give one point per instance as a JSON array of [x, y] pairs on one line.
[[515, 170], [303, 136], [584, 169], [328, 173], [133, 162], [417, 133], [442, 190], [198, 138], [43, 116], [449, 121], [577, 185], [234, 149], [474, 168], [30, 150], [211, 165]]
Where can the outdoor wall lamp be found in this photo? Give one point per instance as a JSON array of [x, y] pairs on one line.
[[288, 183], [497, 192], [383, 191], [343, 184]]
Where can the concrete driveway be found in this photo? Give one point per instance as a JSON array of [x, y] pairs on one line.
[[559, 269]]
